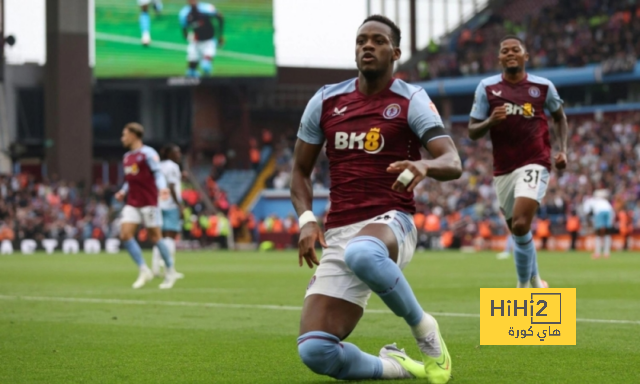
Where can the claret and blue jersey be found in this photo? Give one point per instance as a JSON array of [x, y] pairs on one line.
[[143, 177], [523, 138], [364, 134]]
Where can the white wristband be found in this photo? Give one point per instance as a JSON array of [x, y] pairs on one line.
[[306, 217], [405, 177]]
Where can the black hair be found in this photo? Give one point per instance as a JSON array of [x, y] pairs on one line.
[[514, 37], [166, 150], [395, 31]]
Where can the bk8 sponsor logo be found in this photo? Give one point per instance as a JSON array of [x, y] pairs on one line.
[[525, 110], [131, 169], [371, 142]]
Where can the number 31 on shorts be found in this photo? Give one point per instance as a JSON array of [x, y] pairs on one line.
[[532, 175]]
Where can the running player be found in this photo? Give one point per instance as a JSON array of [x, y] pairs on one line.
[[199, 31], [143, 181], [510, 106], [373, 127], [145, 19], [602, 211], [170, 205]]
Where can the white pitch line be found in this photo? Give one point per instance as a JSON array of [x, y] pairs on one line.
[[183, 48], [248, 306]]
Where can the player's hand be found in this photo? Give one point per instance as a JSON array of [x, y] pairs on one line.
[[309, 234], [165, 194], [418, 168], [561, 160], [221, 42], [498, 115], [119, 195]]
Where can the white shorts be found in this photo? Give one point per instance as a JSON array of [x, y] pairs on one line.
[[197, 50], [144, 2], [150, 216], [529, 181], [334, 278]]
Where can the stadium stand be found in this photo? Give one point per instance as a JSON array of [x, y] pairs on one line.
[[557, 34]]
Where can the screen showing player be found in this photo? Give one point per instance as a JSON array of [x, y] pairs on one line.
[[192, 38]]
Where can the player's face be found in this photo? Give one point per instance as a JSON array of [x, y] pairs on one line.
[[192, 2], [127, 138], [175, 155], [375, 53], [512, 56]]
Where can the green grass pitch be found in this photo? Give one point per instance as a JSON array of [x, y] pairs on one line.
[[248, 31], [234, 319]]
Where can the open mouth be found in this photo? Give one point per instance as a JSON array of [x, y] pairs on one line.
[[368, 58]]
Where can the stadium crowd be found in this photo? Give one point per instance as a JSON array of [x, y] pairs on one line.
[[563, 34], [54, 209], [603, 153]]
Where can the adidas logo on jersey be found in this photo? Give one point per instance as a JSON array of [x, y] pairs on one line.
[[371, 142], [525, 110]]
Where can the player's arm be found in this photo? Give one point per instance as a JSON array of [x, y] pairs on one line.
[[174, 196], [153, 161], [561, 130], [175, 179], [445, 165], [480, 121], [425, 122], [122, 192], [479, 128], [304, 160], [308, 146], [553, 103]]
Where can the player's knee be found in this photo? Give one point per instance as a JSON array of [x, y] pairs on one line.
[[520, 226], [154, 237], [320, 352], [364, 253], [125, 236]]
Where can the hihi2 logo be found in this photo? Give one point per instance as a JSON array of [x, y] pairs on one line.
[[518, 316]]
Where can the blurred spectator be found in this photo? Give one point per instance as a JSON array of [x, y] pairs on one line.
[[565, 34], [57, 210]]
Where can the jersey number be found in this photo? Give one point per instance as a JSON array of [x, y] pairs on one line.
[[530, 176]]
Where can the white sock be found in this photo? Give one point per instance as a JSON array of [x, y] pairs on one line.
[[144, 268], [522, 285], [427, 325], [391, 370], [598, 245], [607, 244], [156, 260], [171, 245], [426, 334]]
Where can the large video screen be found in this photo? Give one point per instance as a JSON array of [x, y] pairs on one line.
[[175, 38]]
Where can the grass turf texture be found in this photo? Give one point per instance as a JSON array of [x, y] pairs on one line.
[[248, 31], [153, 336]]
